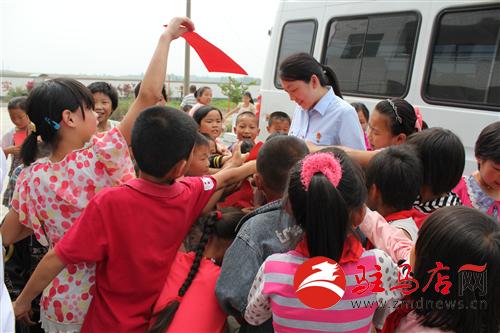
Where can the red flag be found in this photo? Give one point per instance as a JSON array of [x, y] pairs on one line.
[[214, 59]]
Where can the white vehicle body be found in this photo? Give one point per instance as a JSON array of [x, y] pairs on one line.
[[441, 56]]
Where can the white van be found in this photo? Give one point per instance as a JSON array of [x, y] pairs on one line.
[[442, 56]]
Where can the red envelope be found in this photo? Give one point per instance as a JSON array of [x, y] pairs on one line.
[[214, 59]]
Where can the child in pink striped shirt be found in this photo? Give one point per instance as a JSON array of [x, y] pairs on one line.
[[326, 196]]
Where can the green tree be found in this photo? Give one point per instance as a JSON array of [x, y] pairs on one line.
[[17, 91], [234, 89]]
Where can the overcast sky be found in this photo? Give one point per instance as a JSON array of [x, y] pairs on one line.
[[118, 37]]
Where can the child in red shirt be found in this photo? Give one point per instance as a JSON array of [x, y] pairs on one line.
[[190, 286], [132, 232]]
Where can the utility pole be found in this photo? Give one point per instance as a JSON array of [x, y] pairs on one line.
[[187, 54]]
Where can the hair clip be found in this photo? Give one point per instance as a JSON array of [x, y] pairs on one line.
[[52, 123], [395, 109]]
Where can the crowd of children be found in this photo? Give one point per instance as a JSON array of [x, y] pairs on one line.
[[153, 224]]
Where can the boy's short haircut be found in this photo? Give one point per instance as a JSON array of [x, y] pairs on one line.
[[397, 173], [192, 89], [106, 89], [138, 87], [17, 103], [275, 159], [201, 140], [278, 115], [443, 158], [275, 134], [246, 114], [161, 137]]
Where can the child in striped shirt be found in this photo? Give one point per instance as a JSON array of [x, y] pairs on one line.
[[326, 195]]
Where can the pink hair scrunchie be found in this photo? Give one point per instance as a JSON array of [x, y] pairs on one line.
[[324, 163]]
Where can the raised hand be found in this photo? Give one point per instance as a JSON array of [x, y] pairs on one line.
[[178, 26]]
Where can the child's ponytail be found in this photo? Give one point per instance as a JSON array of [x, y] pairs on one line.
[[29, 149], [326, 219], [323, 189], [166, 315]]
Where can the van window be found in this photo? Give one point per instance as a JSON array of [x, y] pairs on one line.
[[465, 60], [372, 55], [296, 37]]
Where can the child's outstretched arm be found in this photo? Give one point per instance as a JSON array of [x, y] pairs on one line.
[[151, 86], [45, 272], [227, 177], [363, 157], [386, 237]]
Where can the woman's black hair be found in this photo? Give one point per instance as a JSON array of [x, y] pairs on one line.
[[199, 92], [302, 66], [221, 224], [358, 106], [323, 209], [456, 236], [247, 93], [401, 115], [106, 89], [44, 107], [202, 112], [488, 143]]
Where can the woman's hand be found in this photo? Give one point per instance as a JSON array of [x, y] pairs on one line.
[[178, 26]]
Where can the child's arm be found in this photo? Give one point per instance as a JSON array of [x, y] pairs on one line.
[[14, 150], [45, 272], [150, 92], [258, 308], [385, 237], [12, 230], [232, 111], [227, 177], [363, 157]]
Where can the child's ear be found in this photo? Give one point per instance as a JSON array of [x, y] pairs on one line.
[[373, 200], [258, 131], [259, 182], [268, 129], [357, 216], [68, 118], [400, 139], [178, 170], [234, 130]]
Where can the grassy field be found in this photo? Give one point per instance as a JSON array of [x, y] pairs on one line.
[[124, 104]]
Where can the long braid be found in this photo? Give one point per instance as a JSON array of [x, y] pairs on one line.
[[166, 315]]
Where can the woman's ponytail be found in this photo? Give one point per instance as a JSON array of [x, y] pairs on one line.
[[29, 149], [332, 80], [166, 315]]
